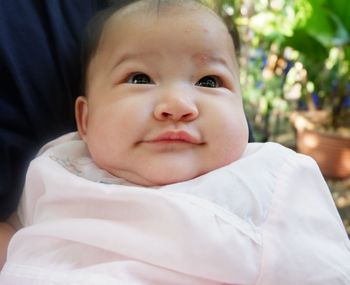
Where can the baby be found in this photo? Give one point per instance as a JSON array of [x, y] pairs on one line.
[[160, 186]]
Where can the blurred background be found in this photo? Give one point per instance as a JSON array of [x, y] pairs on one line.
[[294, 57]]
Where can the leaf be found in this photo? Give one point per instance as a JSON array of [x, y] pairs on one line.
[[326, 23], [307, 45], [342, 9]]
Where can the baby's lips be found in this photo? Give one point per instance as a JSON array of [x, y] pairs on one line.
[[175, 136]]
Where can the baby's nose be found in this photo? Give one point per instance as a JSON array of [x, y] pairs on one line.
[[176, 108]]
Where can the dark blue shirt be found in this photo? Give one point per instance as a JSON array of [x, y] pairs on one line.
[[39, 81]]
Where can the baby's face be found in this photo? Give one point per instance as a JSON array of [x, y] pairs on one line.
[[163, 102]]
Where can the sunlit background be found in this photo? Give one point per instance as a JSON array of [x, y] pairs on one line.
[[294, 57]]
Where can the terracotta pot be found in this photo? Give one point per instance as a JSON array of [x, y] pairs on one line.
[[331, 152]]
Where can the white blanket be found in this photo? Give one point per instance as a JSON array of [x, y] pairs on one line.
[[267, 218]]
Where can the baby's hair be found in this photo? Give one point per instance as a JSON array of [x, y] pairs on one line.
[[92, 36], [96, 25]]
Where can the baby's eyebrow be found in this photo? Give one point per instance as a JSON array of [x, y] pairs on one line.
[[202, 58], [127, 56]]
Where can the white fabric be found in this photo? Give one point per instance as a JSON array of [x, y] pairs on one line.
[[266, 219]]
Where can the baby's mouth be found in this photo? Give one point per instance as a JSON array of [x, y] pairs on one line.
[[173, 137]]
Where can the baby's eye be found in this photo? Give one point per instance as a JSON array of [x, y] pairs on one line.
[[140, 78], [209, 82]]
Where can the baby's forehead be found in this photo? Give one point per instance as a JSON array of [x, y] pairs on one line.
[[148, 10], [190, 25]]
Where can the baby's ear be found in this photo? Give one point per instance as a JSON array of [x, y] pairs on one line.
[[81, 116]]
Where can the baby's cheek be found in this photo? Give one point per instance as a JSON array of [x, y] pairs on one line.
[[234, 139]]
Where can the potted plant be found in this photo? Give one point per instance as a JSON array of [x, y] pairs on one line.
[[323, 128]]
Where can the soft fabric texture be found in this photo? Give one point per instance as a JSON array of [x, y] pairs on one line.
[[267, 218]]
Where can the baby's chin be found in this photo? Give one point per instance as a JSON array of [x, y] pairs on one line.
[[160, 179]]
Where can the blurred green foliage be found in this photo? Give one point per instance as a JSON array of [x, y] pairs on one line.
[[293, 54]]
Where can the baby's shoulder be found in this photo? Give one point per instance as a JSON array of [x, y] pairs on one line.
[[273, 156], [62, 144], [267, 148]]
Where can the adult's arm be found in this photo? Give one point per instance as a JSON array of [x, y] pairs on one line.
[[6, 233]]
